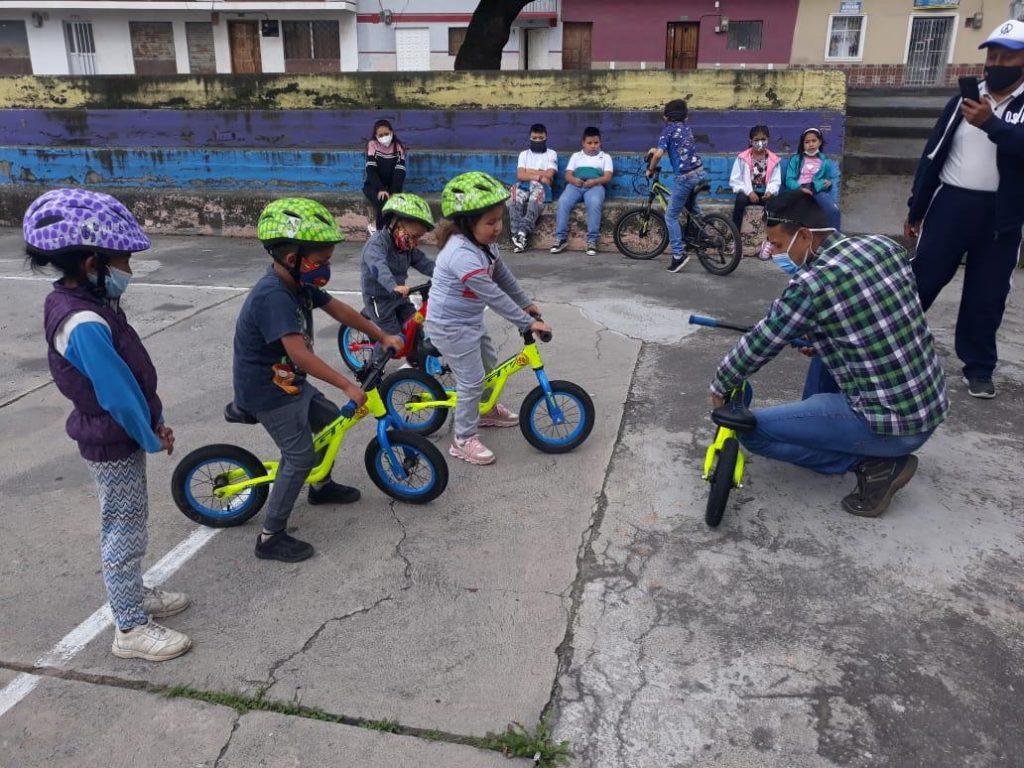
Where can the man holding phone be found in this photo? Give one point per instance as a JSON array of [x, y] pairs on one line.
[[968, 198]]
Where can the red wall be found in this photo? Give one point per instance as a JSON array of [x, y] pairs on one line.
[[635, 30]]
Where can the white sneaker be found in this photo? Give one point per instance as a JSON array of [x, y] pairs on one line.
[[152, 642], [371, 229], [160, 604], [471, 450]]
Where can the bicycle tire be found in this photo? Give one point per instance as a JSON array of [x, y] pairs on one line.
[[719, 245], [401, 387], [569, 397], [355, 346], [416, 453], [228, 456], [643, 223], [721, 482]]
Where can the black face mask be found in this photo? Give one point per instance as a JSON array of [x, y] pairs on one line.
[[999, 79], [539, 147]]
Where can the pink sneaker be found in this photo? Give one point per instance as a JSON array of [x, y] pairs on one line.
[[499, 416], [471, 450], [766, 252]]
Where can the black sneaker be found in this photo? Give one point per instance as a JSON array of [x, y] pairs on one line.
[[281, 546], [333, 493], [980, 388], [591, 248], [559, 246], [877, 482], [678, 262]]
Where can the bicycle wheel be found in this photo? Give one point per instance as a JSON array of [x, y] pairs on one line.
[[408, 385], [721, 482], [207, 468], [539, 428], [425, 468], [641, 234], [719, 246], [355, 346]]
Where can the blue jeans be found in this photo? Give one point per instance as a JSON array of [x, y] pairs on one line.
[[681, 189], [592, 198], [822, 432], [828, 205]]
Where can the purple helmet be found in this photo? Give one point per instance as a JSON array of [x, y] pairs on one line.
[[65, 219]]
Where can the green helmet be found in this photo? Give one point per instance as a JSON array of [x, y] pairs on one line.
[[297, 220], [409, 206], [470, 193]]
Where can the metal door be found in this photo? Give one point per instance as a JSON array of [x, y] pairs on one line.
[[681, 45], [929, 50], [244, 41], [81, 47]]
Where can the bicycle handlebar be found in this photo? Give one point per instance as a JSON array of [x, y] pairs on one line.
[[372, 380], [712, 322], [544, 336], [420, 289]]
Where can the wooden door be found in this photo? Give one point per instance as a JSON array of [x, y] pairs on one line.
[[681, 45], [576, 44], [244, 38]]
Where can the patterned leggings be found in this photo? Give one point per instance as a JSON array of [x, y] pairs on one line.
[[124, 504]]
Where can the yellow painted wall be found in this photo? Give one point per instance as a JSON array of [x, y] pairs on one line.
[[617, 89], [888, 30]]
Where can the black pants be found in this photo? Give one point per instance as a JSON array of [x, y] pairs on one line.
[[742, 201], [377, 205], [962, 221]]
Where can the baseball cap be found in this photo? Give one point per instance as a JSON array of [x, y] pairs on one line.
[[1009, 34]]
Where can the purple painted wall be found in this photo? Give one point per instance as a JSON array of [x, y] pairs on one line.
[[637, 30]]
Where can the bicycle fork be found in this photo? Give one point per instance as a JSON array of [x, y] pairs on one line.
[[721, 435]]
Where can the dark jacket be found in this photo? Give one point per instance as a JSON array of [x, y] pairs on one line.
[[1008, 136], [384, 267], [99, 436]]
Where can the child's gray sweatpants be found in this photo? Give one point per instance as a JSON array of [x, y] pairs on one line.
[[469, 352]]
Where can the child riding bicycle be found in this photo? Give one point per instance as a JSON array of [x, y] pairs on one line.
[[470, 276], [273, 354], [677, 142]]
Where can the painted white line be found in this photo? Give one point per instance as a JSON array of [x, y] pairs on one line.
[[37, 279], [75, 640]]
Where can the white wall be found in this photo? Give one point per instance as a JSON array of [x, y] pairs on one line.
[[180, 47], [110, 33]]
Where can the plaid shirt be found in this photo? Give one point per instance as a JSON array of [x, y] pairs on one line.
[[857, 303]]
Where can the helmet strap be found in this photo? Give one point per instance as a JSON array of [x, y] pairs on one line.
[[295, 270]]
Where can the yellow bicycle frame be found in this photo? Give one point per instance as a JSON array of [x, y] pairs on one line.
[[494, 382], [328, 440], [723, 434]]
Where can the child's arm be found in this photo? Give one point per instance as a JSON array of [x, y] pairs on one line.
[[775, 182], [343, 313], [372, 175], [736, 180], [793, 172], [398, 177], [421, 262], [307, 360], [375, 259], [492, 294], [90, 348]]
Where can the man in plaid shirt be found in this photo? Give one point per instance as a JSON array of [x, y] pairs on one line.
[[855, 300]]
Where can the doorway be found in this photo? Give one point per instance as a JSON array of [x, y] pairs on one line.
[[681, 45], [928, 50], [535, 48], [576, 36], [244, 39], [81, 47]]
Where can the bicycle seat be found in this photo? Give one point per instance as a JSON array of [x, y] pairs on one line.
[[235, 415], [428, 349], [740, 421]]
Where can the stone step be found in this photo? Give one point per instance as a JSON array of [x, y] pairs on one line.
[[888, 156], [889, 127], [897, 106]]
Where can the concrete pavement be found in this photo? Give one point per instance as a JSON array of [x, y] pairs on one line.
[[584, 585]]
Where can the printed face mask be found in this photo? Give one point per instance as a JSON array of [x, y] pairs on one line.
[[999, 79], [760, 144], [385, 139], [314, 275], [403, 240], [115, 284]]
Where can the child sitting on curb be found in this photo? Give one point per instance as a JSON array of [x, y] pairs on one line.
[[588, 172], [534, 176]]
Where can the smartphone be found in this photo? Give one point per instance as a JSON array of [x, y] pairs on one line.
[[969, 88]]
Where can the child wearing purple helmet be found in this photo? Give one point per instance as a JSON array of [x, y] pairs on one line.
[[99, 363]]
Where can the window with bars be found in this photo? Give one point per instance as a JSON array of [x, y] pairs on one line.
[[745, 35], [311, 46], [456, 37], [845, 37], [153, 47], [199, 40]]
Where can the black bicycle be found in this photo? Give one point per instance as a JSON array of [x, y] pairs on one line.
[[641, 233]]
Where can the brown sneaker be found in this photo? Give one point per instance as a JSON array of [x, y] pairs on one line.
[[877, 482], [499, 416]]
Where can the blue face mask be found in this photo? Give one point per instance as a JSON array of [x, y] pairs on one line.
[[783, 262], [314, 275], [115, 284]]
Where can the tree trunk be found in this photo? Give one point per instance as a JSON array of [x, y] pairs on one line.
[[489, 30]]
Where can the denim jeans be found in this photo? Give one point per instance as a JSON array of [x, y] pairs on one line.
[[828, 205], [524, 208], [592, 198], [822, 432], [684, 183]]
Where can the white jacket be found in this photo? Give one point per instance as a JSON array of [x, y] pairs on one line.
[[740, 178]]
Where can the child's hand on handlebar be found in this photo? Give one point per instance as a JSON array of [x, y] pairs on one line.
[[394, 343], [354, 393], [532, 309], [540, 327]]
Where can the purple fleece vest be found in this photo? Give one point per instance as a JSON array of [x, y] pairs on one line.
[[99, 436]]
